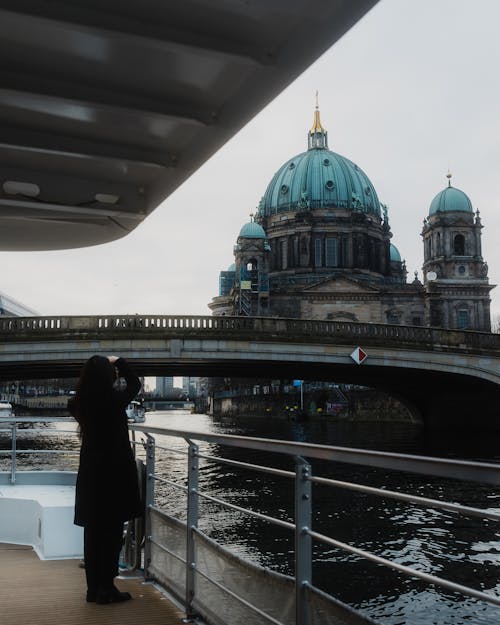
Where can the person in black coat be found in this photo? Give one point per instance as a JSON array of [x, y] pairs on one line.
[[107, 490]]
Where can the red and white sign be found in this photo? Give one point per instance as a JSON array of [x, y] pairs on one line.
[[359, 355]]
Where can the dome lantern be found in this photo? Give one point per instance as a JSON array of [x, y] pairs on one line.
[[317, 137]]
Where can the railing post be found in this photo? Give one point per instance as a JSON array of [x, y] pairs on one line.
[[192, 524], [13, 454], [303, 543], [150, 493]]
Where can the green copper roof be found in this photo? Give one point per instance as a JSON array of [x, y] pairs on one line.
[[319, 178], [251, 230], [395, 255], [450, 200]]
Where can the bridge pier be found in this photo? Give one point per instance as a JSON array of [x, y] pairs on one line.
[[469, 409]]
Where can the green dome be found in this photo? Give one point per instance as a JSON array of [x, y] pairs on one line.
[[450, 200], [319, 178], [395, 255], [231, 267], [252, 230]]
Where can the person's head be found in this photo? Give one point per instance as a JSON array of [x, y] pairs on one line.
[[98, 375], [95, 384]]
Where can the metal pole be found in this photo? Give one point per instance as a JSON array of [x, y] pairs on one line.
[[301, 395], [192, 524], [13, 454], [303, 542], [150, 494]]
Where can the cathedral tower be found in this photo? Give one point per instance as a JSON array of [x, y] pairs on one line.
[[455, 274]]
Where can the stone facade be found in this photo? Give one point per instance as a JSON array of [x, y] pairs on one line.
[[320, 248]]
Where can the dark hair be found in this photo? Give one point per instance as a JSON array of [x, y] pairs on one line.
[[93, 389]]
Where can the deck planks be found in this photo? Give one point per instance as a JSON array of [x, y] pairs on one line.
[[53, 591]]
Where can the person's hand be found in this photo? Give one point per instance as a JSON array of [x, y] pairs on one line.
[[112, 359]]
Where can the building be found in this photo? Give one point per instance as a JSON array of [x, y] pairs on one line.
[[164, 386], [9, 307], [320, 247]]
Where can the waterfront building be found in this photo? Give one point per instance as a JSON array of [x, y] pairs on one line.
[[164, 386], [319, 247]]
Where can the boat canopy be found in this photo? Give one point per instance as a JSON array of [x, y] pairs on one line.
[[107, 107]]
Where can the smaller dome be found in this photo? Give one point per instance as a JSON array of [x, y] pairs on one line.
[[251, 230], [395, 255], [450, 200], [232, 267]]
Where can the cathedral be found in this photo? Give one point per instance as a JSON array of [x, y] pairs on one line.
[[319, 247]]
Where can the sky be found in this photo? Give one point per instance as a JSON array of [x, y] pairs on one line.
[[410, 92]]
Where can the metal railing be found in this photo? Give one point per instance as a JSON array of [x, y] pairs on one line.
[[36, 425], [304, 479]]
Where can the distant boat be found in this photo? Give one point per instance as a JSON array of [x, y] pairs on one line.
[[136, 413], [6, 411]]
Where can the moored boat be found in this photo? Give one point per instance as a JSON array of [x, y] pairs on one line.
[[136, 412]]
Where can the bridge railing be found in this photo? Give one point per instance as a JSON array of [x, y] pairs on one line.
[[268, 328]]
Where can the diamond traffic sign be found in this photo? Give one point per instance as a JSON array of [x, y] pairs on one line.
[[359, 355]]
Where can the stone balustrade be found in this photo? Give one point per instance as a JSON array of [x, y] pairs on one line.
[[224, 327]]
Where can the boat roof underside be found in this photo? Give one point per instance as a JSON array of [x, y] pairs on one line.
[[106, 108]]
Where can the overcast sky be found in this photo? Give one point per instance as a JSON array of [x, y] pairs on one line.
[[410, 91]]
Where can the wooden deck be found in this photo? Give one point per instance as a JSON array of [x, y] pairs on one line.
[[45, 592]]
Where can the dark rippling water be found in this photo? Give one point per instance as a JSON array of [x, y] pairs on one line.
[[463, 550]]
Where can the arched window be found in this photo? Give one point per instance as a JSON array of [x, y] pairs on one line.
[[459, 245], [252, 275]]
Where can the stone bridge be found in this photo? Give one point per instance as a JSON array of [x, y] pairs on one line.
[[446, 376]]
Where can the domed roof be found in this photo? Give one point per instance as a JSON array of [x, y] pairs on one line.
[[252, 230], [449, 200], [395, 255], [319, 178], [232, 267]]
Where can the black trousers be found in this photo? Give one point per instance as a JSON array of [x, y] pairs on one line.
[[102, 542]]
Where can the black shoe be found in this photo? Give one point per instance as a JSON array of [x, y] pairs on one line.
[[112, 596], [91, 596]]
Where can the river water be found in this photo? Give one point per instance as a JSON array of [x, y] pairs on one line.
[[463, 550]]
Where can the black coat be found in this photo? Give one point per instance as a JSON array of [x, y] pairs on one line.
[[107, 484]]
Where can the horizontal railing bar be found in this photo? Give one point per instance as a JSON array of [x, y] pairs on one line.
[[257, 515], [431, 579], [169, 482], [40, 451], [432, 503], [438, 467], [166, 550], [37, 419], [246, 465], [238, 598], [174, 451]]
